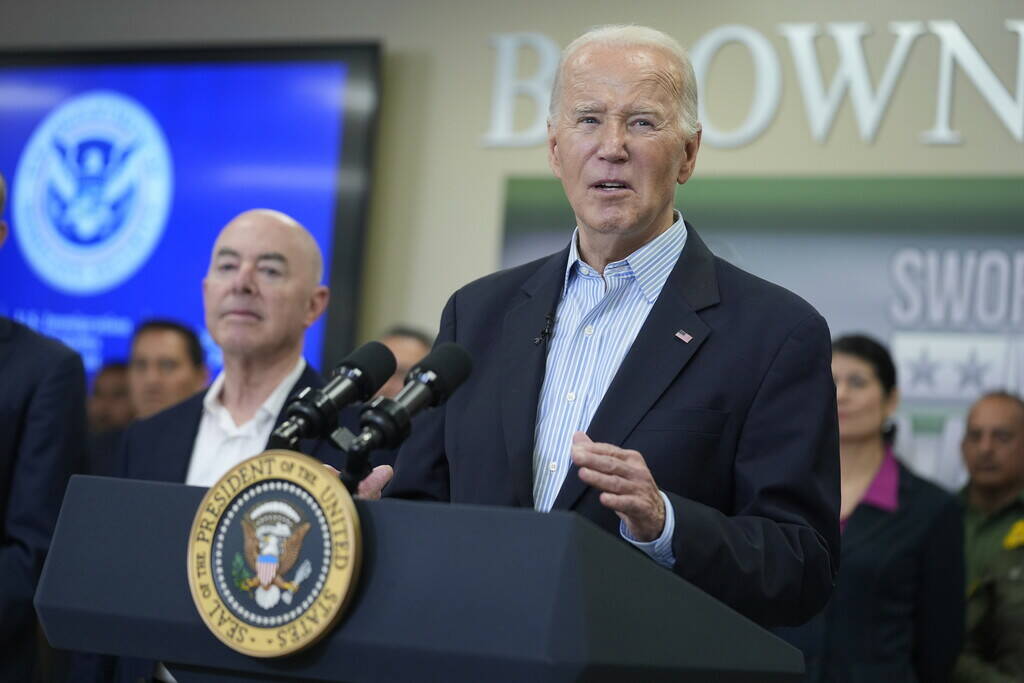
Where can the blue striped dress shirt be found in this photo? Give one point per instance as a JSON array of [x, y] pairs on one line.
[[597, 320]]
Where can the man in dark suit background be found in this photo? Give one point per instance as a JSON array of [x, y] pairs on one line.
[[675, 400], [42, 437]]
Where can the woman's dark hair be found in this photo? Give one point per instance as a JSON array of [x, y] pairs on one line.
[[877, 356]]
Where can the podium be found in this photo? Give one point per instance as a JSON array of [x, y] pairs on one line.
[[446, 593]]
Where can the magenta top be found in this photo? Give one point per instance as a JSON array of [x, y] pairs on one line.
[[883, 491]]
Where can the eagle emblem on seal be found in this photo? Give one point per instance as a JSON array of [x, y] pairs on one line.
[[273, 540]]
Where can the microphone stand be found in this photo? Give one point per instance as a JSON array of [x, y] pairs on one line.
[[385, 423]]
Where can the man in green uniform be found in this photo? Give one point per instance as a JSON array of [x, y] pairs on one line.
[[993, 451]]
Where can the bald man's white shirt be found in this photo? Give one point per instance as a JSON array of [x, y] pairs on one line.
[[221, 444]]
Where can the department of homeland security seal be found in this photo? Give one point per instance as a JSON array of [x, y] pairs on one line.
[[274, 554], [91, 193]]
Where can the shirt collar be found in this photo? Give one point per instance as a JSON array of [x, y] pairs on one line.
[[270, 407], [883, 492], [650, 265]]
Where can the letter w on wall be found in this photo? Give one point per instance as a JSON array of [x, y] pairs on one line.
[[851, 73]]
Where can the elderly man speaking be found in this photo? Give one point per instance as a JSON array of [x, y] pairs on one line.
[[678, 402]]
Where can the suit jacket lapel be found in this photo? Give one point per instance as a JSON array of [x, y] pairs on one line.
[[308, 378], [176, 444], [523, 362], [656, 357], [867, 520]]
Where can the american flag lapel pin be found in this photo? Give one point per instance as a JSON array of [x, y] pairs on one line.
[[685, 336]]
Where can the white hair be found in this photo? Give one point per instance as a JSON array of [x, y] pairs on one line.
[[631, 35]]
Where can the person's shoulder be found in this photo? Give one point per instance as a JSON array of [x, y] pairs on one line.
[[29, 361], [168, 433], [738, 285], [774, 311], [510, 279], [180, 414], [33, 345]]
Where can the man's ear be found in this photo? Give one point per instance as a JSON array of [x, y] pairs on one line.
[[553, 161], [317, 304], [3, 232], [691, 147]]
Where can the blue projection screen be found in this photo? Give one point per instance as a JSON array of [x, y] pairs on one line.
[[123, 166]]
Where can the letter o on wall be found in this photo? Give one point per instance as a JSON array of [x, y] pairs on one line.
[[767, 83]]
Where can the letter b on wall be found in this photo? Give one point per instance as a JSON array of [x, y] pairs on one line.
[[509, 86]]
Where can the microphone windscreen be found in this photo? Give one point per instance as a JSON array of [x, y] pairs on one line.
[[375, 361], [450, 363]]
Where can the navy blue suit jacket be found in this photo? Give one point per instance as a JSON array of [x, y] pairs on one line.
[[738, 426], [42, 438]]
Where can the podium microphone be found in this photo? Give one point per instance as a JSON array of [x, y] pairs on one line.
[[386, 422], [313, 413]]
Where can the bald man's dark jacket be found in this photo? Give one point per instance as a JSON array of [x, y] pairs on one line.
[[738, 424], [42, 440]]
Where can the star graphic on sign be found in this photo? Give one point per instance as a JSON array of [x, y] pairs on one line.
[[923, 370], [972, 372]]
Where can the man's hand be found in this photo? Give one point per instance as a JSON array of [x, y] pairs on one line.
[[370, 488], [625, 482]]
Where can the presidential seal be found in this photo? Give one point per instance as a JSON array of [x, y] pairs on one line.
[[273, 555], [92, 192]]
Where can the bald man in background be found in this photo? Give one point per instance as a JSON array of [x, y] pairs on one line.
[[261, 293]]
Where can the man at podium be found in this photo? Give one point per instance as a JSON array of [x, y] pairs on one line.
[[634, 377]]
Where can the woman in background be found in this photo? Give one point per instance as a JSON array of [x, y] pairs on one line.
[[897, 612]]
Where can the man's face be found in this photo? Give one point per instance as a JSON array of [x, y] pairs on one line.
[[109, 406], [616, 143], [260, 292], [408, 352], [161, 372], [993, 445]]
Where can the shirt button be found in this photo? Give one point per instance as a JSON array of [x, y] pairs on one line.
[[588, 330], [553, 466], [571, 396]]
